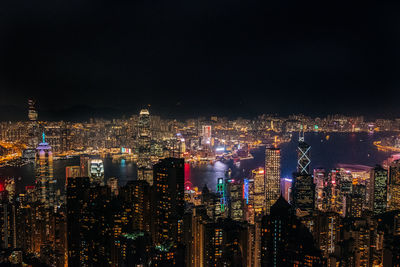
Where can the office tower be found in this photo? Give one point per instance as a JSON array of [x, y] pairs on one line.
[[112, 183], [33, 132], [303, 190], [259, 190], [77, 198], [72, 171], [45, 182], [96, 171], [32, 113], [144, 139], [206, 135], [236, 200], [303, 156], [272, 176], [378, 187], [285, 241], [169, 201], [319, 181], [394, 185], [353, 204], [221, 206]]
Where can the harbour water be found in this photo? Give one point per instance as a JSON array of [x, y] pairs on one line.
[[328, 150]]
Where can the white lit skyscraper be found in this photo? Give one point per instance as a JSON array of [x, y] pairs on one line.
[[45, 182], [96, 171], [272, 176]]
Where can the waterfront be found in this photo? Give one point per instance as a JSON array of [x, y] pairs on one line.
[[327, 152]]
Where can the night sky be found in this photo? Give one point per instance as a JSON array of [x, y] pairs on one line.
[[199, 57]]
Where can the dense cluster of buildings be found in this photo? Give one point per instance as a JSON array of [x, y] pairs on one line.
[[343, 217], [348, 216], [147, 137]]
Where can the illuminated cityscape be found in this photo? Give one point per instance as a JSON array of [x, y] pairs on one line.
[[199, 133], [76, 212]]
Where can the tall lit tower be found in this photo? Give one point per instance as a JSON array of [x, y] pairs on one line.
[[258, 197], [144, 139], [394, 185], [96, 171], [45, 182], [144, 123], [303, 187], [272, 176], [32, 113], [303, 155], [33, 132], [206, 135], [378, 187]]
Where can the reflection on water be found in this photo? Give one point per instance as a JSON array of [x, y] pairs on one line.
[[350, 148], [207, 174]]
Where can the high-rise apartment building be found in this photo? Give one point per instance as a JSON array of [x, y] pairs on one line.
[[77, 193], [169, 200]]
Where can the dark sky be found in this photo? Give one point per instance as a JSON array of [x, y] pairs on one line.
[[191, 57]]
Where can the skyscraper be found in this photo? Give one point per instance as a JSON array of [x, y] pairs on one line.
[[96, 171], [169, 201], [319, 181], [285, 241], [394, 185], [77, 192], [303, 156], [45, 182], [144, 139], [33, 131], [303, 191], [32, 113], [258, 192], [378, 187], [206, 135], [235, 191], [272, 176]]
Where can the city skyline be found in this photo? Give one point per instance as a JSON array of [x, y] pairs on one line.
[[234, 57], [199, 133], [201, 192]]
